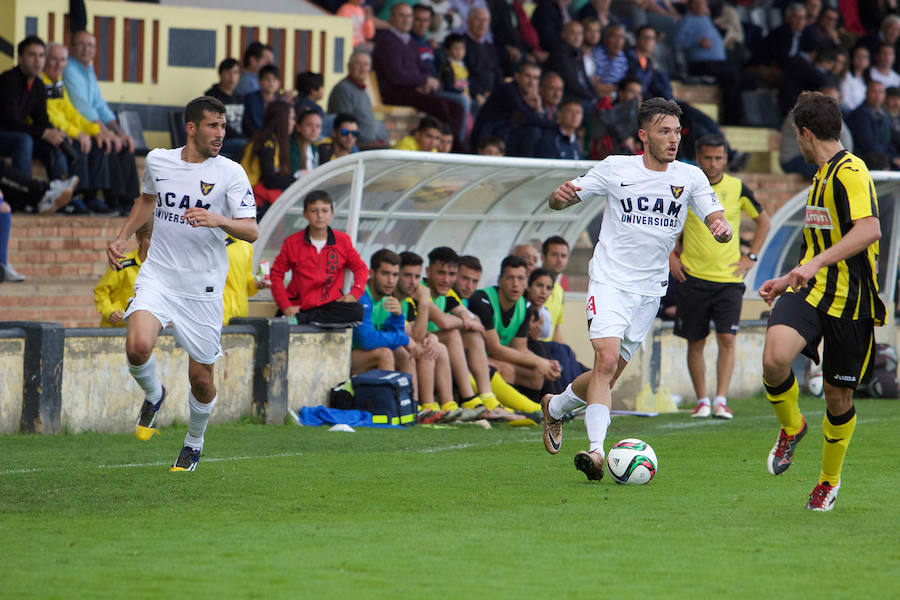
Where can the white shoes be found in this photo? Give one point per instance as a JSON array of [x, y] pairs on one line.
[[7, 273], [58, 195]]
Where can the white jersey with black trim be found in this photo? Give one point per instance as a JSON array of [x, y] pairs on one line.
[[645, 212], [186, 261]]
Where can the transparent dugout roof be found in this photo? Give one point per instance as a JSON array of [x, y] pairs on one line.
[[481, 205]]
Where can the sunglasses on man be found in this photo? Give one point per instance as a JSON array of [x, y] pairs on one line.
[[348, 132]]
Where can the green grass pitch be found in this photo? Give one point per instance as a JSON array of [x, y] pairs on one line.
[[461, 512]]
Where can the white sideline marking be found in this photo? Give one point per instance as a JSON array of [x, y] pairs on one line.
[[260, 457]]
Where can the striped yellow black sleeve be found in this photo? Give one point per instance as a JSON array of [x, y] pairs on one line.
[[748, 202], [854, 194]]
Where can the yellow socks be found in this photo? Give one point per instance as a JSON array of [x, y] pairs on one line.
[[838, 430], [511, 397], [783, 398]]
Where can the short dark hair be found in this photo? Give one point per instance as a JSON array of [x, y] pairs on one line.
[[443, 254], [428, 123], [820, 114], [342, 119], [512, 262], [317, 196], [453, 38], [423, 7], [255, 50], [470, 262], [492, 140], [643, 28], [569, 100], [228, 64], [553, 240], [193, 112], [270, 70], [383, 256], [527, 64], [410, 259], [626, 81], [31, 40], [308, 81], [713, 140], [541, 272], [892, 92], [654, 109]]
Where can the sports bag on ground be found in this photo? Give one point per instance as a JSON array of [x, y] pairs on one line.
[[385, 394]]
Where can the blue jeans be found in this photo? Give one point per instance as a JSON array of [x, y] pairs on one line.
[[466, 104], [19, 146]]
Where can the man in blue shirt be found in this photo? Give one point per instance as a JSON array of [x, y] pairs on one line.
[[256, 56], [84, 92], [562, 142]]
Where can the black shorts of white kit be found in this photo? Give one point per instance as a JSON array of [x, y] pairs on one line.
[[700, 301], [849, 348]]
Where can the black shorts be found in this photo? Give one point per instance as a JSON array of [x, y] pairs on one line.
[[701, 301], [849, 348]]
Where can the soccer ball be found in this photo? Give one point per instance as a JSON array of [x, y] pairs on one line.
[[632, 461], [814, 385]]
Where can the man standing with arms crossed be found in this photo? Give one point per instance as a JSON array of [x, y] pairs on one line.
[[196, 198], [647, 202], [831, 294], [712, 275]]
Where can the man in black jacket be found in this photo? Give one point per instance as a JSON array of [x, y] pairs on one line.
[[25, 128]]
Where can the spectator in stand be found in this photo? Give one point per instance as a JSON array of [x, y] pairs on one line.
[[363, 22], [590, 44], [267, 157], [566, 59], [551, 92], [380, 340], [554, 258], [792, 160], [304, 156], [887, 33], [512, 113], [240, 283], [549, 17], [454, 77], [446, 143], [507, 37], [892, 108], [225, 91], [705, 52], [600, 10], [310, 89], [529, 254], [92, 165], [256, 56], [882, 70], [853, 85], [871, 128], [482, 57], [492, 146], [350, 96], [316, 257], [255, 103], [114, 291], [402, 77], [612, 64], [84, 92], [563, 143], [422, 14], [425, 138], [823, 32], [643, 67], [25, 128], [809, 70], [7, 273], [22, 193], [342, 141], [616, 130], [783, 42]]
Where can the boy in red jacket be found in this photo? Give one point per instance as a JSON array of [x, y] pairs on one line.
[[316, 258]]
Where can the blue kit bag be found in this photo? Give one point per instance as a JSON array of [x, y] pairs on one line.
[[385, 394]]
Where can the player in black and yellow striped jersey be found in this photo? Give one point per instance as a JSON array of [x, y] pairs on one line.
[[832, 294], [711, 277]]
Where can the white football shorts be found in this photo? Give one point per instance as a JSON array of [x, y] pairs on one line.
[[197, 323], [615, 313]]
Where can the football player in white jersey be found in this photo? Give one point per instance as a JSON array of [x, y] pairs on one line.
[[647, 203], [196, 198]]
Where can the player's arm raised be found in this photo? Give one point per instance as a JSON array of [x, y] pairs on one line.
[[140, 213], [718, 226], [564, 196], [242, 229]]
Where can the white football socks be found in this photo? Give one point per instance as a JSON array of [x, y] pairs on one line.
[[145, 375], [704, 400], [596, 419], [560, 404], [720, 400], [197, 423]]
